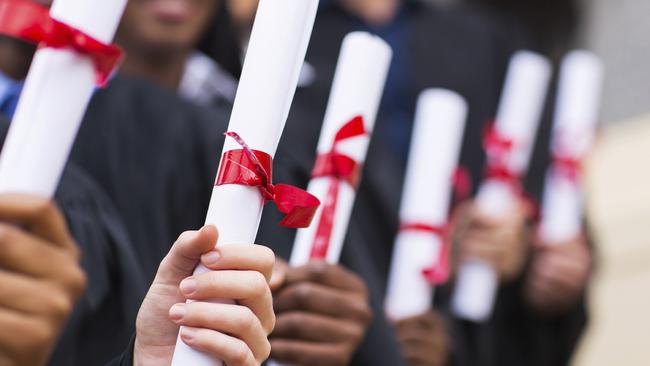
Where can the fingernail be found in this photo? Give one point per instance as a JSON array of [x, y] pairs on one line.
[[211, 258], [177, 312], [188, 334], [188, 286]]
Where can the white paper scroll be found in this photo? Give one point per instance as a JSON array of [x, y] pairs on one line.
[[357, 90], [58, 88], [275, 56], [518, 118], [435, 150], [575, 123]]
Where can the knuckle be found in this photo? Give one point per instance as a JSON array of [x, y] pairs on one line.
[[247, 320], [40, 337], [270, 323], [265, 351], [77, 281], [343, 356], [59, 305], [267, 256], [317, 270], [257, 284], [185, 236], [302, 293], [294, 323], [7, 233], [43, 207], [240, 353]]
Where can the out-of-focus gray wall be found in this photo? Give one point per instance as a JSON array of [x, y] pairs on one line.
[[619, 31]]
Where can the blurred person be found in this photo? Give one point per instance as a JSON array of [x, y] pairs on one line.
[[461, 50], [163, 40], [189, 46], [117, 267]]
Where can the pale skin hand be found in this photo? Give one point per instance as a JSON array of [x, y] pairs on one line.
[[501, 242], [558, 275], [423, 340], [40, 278], [235, 333], [323, 314]]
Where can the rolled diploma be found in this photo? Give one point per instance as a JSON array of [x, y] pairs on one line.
[[357, 90], [275, 56], [576, 116], [518, 118], [435, 150], [58, 88]]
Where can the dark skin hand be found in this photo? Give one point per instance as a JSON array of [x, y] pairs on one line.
[[500, 241], [40, 278], [423, 340], [558, 275], [322, 314]]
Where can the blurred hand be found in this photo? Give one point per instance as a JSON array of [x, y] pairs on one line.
[[502, 242], [235, 333], [40, 278], [558, 275], [423, 340], [323, 314]]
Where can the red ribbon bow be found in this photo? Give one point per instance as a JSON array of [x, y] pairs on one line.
[[438, 273], [32, 23], [253, 168], [338, 167], [498, 149]]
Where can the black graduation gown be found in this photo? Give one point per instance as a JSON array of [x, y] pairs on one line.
[[147, 148], [102, 322], [462, 51]]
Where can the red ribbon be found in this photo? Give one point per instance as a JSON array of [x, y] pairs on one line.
[[253, 168], [438, 273], [338, 168], [32, 23], [568, 167], [498, 149]]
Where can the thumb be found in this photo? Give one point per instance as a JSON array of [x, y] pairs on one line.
[[186, 254]]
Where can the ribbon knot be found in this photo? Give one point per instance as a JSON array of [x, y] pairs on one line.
[[498, 149], [438, 272], [31, 22], [253, 168], [338, 168]]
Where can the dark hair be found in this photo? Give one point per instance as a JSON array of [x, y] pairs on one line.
[[221, 42]]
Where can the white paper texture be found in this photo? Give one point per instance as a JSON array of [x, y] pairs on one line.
[[518, 118], [575, 123], [275, 56], [57, 90], [357, 90], [435, 150]]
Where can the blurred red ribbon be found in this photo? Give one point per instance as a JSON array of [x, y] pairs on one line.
[[438, 273], [338, 168], [253, 168], [568, 167], [31, 22], [498, 149]]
